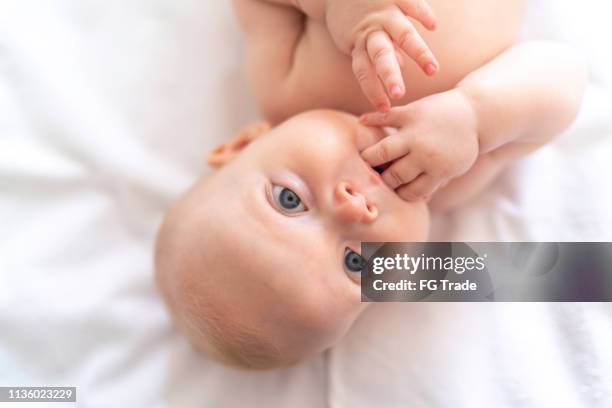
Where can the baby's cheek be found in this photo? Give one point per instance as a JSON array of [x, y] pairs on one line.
[[410, 227]]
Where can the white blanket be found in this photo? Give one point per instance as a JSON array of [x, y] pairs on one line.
[[106, 111]]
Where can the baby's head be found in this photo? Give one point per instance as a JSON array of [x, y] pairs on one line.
[[259, 261]]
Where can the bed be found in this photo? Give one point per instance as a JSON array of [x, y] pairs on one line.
[[106, 111]]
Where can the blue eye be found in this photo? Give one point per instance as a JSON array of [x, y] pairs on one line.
[[287, 200], [353, 262]]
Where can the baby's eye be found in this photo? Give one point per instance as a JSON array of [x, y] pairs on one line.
[[353, 262], [287, 200]]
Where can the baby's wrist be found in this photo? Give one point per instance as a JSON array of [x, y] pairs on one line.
[[345, 23], [470, 102]]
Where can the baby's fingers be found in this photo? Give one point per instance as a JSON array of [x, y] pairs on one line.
[[390, 148], [423, 186], [396, 117], [420, 11], [403, 171], [410, 41], [384, 57], [365, 73]]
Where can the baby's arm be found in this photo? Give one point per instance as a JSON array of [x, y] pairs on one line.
[[527, 95], [272, 30], [523, 99], [504, 110]]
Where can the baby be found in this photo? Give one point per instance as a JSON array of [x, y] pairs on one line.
[[259, 262]]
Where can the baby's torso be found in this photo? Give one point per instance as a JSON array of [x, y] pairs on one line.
[[469, 34]]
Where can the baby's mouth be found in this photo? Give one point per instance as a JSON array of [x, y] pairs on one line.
[[375, 175], [380, 169]]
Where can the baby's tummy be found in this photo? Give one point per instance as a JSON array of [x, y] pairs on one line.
[[470, 33]]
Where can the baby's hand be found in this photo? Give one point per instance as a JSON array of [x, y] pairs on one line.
[[373, 32], [436, 141]]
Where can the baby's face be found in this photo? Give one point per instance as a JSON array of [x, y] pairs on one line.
[[282, 223]]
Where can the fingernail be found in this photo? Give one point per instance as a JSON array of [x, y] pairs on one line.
[[430, 68], [382, 107], [363, 118], [396, 91]]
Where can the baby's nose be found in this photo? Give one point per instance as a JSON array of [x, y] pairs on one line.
[[352, 206]]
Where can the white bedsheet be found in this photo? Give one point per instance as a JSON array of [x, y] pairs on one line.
[[106, 110]]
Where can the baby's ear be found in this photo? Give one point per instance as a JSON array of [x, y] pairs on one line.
[[225, 152]]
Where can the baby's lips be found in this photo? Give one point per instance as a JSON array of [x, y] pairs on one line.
[[381, 169]]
